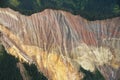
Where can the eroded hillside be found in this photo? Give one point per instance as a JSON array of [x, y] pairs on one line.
[[59, 43]]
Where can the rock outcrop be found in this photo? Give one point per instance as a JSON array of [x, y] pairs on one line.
[[58, 43]]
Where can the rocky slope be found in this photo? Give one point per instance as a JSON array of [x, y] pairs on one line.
[[59, 43]]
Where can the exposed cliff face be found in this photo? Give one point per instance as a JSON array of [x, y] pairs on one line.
[[59, 42]]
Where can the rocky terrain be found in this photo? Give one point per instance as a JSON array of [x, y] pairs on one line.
[[58, 43]]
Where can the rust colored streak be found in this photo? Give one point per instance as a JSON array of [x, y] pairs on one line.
[[38, 36]]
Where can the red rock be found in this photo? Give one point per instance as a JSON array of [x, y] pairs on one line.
[[59, 34]]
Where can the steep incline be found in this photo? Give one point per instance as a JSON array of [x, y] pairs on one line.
[[59, 42]]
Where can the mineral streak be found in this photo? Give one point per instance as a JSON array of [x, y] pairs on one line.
[[58, 42]]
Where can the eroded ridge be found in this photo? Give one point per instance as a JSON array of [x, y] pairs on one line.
[[59, 43]]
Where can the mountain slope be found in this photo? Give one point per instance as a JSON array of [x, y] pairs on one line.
[[90, 9], [59, 42]]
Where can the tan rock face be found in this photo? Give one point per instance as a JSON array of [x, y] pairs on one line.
[[59, 42]]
